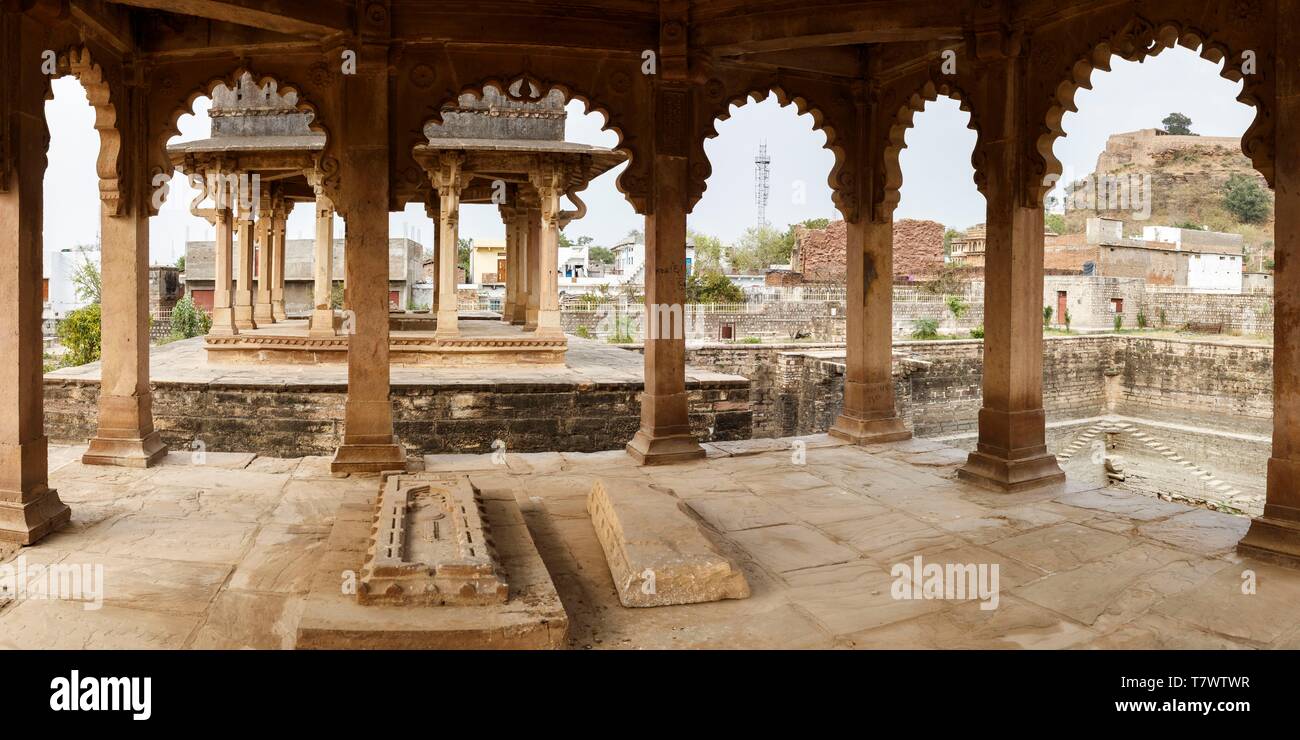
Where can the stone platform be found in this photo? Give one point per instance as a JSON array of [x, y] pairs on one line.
[[223, 555], [531, 616], [479, 343], [590, 402]]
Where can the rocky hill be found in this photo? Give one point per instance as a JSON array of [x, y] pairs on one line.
[[1188, 177]]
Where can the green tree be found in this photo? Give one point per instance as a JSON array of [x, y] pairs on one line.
[[636, 235], [925, 329], [600, 256], [1177, 123], [463, 249], [948, 236], [760, 247], [1055, 222], [86, 281], [188, 320], [180, 263], [1246, 200], [708, 251], [80, 337], [708, 286]]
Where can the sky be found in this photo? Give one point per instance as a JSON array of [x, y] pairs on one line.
[[938, 181]]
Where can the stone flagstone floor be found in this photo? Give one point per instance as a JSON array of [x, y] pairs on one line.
[[219, 555]]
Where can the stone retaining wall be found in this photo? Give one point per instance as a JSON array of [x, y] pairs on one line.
[[303, 420]]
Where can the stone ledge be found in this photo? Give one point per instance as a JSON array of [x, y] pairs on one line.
[[655, 551]]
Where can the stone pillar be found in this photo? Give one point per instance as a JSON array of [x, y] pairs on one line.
[[534, 303], [1275, 536], [519, 267], [512, 244], [281, 215], [1011, 453], [448, 180], [263, 231], [431, 210], [322, 315], [369, 444], [125, 433], [29, 508], [244, 263], [549, 186], [223, 311], [665, 433], [869, 415]]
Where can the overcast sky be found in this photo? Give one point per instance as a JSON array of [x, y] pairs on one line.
[[937, 176]]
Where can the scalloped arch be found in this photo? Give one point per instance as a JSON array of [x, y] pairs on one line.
[[172, 126], [77, 62], [544, 86], [834, 179], [903, 121], [1139, 39]]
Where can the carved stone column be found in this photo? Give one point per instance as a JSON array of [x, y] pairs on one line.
[[549, 186], [125, 433], [322, 315], [244, 267], [869, 414], [665, 434], [508, 216], [519, 269], [1012, 450], [264, 233], [1276, 535], [534, 303], [29, 508], [369, 444], [222, 220], [448, 180], [279, 216]]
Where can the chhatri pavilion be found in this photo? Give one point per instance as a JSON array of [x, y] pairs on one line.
[[502, 148]]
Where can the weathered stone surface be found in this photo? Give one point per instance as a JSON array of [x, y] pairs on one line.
[[657, 555], [431, 545]]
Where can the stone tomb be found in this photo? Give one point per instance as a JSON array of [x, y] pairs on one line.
[[492, 588], [657, 554], [431, 545]]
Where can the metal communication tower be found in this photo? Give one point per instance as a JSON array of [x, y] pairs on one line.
[[761, 164]]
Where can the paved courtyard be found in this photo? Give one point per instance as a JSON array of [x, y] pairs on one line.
[[220, 555]]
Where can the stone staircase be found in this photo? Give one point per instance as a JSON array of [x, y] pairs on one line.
[[1225, 497]]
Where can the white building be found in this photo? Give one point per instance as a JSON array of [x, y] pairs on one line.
[[60, 290]]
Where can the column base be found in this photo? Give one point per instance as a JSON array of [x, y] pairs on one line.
[[243, 317], [27, 522], [448, 326], [508, 312], [277, 310], [141, 452], [1275, 536], [365, 456], [1003, 474], [223, 323], [263, 314], [869, 431], [650, 450], [322, 323]]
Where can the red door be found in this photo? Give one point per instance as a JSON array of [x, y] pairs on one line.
[[1060, 307]]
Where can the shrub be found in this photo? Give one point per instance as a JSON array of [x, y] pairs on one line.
[[1066, 319], [1119, 321], [1047, 316], [79, 335], [925, 329], [751, 340], [977, 332], [583, 332], [957, 306], [188, 320], [1246, 199], [1142, 319], [1163, 318]]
